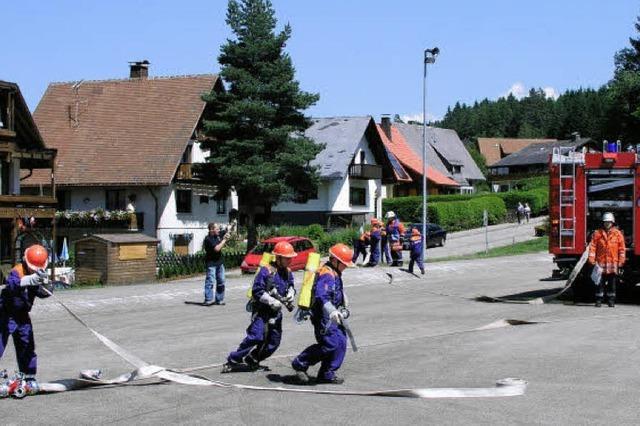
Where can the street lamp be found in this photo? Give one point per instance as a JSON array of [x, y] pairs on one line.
[[429, 58]]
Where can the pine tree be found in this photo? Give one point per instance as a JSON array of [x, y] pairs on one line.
[[628, 59], [256, 139]]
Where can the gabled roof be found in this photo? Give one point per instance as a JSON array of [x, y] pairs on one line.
[[410, 160], [121, 132], [449, 148], [27, 135], [341, 137], [539, 153], [493, 149]]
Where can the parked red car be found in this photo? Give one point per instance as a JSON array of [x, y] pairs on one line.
[[302, 246]]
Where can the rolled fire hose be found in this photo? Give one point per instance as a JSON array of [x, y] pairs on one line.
[[91, 378]]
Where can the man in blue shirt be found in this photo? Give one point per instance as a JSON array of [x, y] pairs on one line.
[[212, 245]]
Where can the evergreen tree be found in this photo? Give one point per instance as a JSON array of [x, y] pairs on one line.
[[628, 59], [256, 126]]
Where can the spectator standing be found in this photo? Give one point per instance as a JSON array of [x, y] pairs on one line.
[[212, 245], [527, 212], [520, 212]]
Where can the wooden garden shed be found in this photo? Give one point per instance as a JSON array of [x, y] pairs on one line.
[[116, 259]]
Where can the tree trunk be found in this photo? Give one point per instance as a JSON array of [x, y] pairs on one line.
[[252, 233]]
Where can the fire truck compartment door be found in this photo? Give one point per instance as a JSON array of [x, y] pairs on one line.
[[611, 185]]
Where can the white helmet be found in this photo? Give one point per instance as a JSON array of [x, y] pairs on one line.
[[390, 215], [608, 217]]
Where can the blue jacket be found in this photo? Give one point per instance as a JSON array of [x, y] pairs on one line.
[[268, 278], [328, 288], [16, 300], [393, 230], [415, 246]]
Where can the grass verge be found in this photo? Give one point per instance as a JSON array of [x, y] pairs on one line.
[[531, 246]]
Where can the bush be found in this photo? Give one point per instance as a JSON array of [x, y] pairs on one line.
[[538, 199]]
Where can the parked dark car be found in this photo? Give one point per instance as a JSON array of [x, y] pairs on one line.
[[436, 235]]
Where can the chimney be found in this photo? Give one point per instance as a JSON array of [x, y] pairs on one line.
[[139, 69], [385, 123], [575, 136]]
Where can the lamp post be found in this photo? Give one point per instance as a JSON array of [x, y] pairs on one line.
[[429, 58]]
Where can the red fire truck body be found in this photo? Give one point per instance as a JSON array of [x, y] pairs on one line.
[[582, 187]]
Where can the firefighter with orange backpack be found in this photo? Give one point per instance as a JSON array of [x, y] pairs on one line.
[[272, 287], [23, 285], [374, 239], [395, 230], [607, 252], [416, 254], [328, 314]]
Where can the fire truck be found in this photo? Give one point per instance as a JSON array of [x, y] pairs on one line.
[[582, 187]]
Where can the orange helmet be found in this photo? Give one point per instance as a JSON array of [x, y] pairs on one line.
[[36, 257], [343, 253], [415, 232], [284, 249]]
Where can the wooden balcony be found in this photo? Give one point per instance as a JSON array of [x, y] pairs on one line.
[[365, 171], [185, 172]]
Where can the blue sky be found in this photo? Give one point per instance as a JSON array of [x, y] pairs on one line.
[[363, 57]]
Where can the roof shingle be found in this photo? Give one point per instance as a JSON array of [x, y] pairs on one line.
[[120, 132]]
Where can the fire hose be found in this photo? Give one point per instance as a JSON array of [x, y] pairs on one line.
[[143, 370]]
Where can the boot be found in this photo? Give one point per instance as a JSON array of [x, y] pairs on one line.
[[255, 365], [302, 377], [229, 367], [598, 303], [335, 381], [611, 302]]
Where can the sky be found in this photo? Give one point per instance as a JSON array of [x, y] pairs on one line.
[[364, 57]]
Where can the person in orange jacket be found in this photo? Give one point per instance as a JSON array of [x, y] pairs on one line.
[[607, 251]]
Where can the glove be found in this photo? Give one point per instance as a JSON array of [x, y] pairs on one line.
[[275, 305], [291, 294], [271, 301], [336, 317], [44, 276], [32, 280]]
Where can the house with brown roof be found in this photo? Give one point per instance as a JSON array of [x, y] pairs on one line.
[[450, 166], [24, 219], [130, 144], [356, 171], [495, 149]]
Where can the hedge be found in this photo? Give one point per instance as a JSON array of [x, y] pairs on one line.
[[538, 199], [460, 215]]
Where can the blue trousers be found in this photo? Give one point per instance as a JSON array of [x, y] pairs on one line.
[[359, 248], [214, 273], [262, 340], [386, 252], [418, 260], [330, 350], [374, 258], [23, 340]]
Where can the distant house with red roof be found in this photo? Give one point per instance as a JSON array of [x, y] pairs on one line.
[[450, 166], [136, 137], [356, 172]]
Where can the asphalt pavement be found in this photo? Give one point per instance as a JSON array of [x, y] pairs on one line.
[[415, 332]]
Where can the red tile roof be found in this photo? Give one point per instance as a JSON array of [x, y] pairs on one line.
[[399, 147], [494, 149], [120, 132]]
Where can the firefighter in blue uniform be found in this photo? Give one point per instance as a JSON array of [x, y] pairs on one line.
[[360, 246], [326, 316], [415, 251], [384, 246], [374, 239], [23, 285], [394, 238], [272, 287]]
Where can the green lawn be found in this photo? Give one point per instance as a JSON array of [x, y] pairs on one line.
[[532, 246]]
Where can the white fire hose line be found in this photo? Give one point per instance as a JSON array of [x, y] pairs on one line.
[[503, 388]]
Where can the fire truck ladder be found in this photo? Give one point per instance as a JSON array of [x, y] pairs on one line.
[[567, 200]]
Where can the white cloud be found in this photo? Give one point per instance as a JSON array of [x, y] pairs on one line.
[[519, 91], [550, 92], [418, 117]]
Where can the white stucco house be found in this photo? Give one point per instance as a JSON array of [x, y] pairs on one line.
[[355, 169], [135, 138]]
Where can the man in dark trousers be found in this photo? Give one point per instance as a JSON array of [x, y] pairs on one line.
[[212, 245]]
